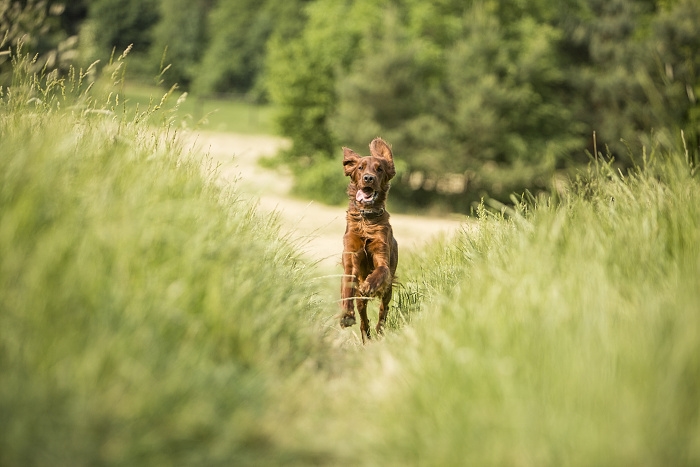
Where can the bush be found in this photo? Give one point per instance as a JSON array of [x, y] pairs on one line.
[[322, 180]]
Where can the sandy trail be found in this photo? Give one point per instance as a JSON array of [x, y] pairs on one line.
[[317, 228]]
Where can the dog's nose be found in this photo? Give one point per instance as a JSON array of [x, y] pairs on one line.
[[368, 178]]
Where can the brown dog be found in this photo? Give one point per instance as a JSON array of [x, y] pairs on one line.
[[370, 252]]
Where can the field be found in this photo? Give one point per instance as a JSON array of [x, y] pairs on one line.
[[221, 115], [150, 316]]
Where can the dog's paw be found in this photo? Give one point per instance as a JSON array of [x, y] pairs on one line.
[[380, 328], [365, 289], [346, 321], [370, 287]]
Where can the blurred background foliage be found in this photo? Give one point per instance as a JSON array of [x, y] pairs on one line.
[[479, 98]]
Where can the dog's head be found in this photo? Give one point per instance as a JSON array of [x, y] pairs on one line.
[[369, 175]]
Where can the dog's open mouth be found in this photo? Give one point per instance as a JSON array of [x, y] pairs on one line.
[[366, 195]]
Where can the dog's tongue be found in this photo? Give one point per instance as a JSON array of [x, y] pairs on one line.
[[363, 197]]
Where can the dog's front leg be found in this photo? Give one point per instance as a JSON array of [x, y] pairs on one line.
[[364, 320], [381, 275], [360, 269], [353, 273], [347, 292]]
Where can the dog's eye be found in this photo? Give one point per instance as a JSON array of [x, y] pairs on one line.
[[379, 170]]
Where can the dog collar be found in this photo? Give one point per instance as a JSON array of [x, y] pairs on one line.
[[371, 213]]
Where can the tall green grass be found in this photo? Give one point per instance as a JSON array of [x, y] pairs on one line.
[[208, 113], [568, 334], [147, 316], [150, 317]]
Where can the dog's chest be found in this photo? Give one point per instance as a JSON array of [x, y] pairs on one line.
[[366, 230]]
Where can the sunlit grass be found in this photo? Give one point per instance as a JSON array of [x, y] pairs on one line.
[[149, 316], [564, 331], [229, 115], [146, 314], [570, 335]]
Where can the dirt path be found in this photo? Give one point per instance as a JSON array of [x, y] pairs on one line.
[[317, 228]]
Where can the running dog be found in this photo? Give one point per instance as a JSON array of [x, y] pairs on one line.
[[370, 251]]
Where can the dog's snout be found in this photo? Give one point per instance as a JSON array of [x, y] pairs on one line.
[[367, 178]]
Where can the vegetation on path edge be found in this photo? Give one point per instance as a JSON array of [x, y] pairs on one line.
[[147, 316]]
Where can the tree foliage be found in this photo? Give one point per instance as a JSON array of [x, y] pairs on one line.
[[302, 74], [238, 33], [678, 61], [499, 93], [120, 23], [179, 36], [37, 26]]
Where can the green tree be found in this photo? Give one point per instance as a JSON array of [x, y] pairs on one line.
[[238, 31], [39, 27], [504, 90], [302, 71], [180, 35], [677, 41], [391, 91], [609, 70], [75, 12], [120, 23]]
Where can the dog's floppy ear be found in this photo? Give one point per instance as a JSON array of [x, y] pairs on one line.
[[378, 148], [350, 160]]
